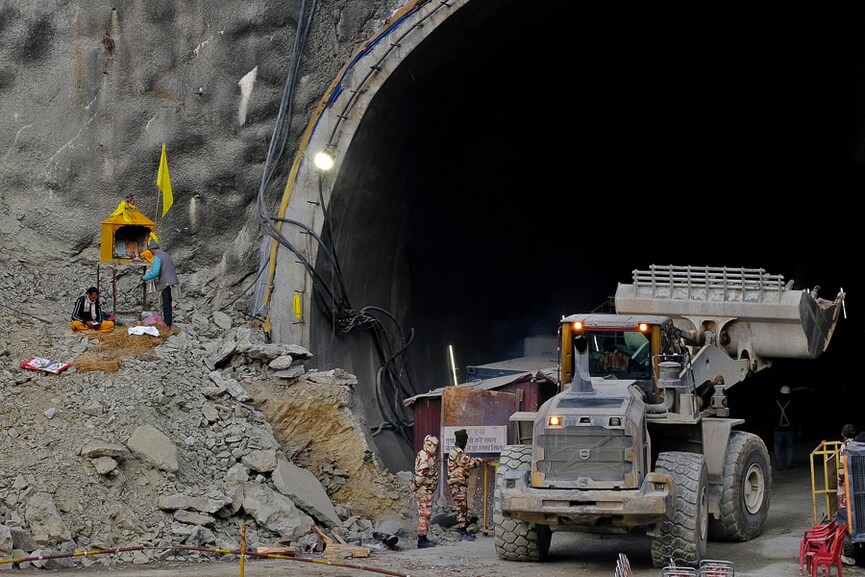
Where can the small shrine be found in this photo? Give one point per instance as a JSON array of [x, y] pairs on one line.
[[125, 234]]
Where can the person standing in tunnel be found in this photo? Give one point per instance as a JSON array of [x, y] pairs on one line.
[[424, 484], [459, 468], [785, 430]]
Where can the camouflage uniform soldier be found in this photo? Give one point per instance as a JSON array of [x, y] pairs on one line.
[[424, 483], [459, 467]]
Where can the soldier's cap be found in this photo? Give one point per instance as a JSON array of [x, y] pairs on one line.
[[462, 435]]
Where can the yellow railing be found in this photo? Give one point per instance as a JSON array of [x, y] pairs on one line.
[[824, 468]]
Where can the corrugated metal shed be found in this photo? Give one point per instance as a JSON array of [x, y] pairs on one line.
[[532, 388], [480, 404]]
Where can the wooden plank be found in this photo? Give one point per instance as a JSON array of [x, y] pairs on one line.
[[340, 551], [338, 538], [276, 550], [327, 540]]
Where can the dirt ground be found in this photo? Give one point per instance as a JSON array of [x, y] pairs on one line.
[[773, 554]]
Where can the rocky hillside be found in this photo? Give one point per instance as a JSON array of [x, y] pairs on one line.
[[208, 428], [92, 91], [200, 431]]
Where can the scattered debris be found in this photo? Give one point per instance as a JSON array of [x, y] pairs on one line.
[[340, 550], [47, 365]]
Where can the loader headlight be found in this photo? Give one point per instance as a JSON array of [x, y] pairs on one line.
[[644, 327], [554, 421], [577, 325]]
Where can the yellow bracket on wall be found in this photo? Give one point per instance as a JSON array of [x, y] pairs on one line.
[[297, 305]]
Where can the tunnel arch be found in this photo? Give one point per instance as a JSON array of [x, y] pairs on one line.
[[517, 162], [332, 128], [296, 273], [372, 224]]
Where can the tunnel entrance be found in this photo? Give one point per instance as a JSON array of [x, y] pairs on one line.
[[525, 157]]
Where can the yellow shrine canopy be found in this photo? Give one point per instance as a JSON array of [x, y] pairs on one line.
[[125, 234]]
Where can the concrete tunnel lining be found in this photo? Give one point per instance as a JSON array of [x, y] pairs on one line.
[[373, 116], [446, 212]]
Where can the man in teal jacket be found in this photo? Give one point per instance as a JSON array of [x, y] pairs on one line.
[[166, 279]]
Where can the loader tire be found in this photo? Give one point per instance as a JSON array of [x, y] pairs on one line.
[[745, 489], [853, 550], [517, 540], [681, 538]]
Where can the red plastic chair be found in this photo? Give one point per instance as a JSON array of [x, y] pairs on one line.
[[679, 572], [824, 560], [623, 567], [716, 568], [816, 538]]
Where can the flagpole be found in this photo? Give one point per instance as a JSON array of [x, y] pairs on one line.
[[158, 194]]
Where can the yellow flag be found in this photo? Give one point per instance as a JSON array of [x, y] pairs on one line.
[[163, 181]]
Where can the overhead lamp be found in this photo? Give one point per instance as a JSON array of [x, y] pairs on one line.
[[324, 159]]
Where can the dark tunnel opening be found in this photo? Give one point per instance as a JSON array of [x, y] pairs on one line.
[[524, 160]]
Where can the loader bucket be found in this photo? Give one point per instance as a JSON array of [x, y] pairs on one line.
[[752, 314]]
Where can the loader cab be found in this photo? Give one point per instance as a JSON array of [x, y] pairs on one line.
[[623, 347], [619, 354]]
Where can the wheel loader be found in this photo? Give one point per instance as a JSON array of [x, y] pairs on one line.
[[640, 436]]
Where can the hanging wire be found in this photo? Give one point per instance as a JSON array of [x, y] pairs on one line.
[[275, 153], [392, 383]]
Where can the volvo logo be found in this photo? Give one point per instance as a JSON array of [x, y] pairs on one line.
[[585, 454]]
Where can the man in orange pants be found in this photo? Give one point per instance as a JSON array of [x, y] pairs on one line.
[[87, 313]]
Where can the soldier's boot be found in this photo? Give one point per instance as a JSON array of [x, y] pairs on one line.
[[465, 535], [423, 542]]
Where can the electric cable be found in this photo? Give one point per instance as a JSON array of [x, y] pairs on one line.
[[393, 383], [387, 376], [281, 130]]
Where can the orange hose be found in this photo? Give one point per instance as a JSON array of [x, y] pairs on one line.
[[206, 550]]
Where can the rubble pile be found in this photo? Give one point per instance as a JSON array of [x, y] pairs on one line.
[[218, 430]]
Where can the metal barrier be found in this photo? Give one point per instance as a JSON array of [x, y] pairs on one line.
[[824, 467]]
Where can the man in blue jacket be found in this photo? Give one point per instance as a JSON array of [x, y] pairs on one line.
[[167, 282]]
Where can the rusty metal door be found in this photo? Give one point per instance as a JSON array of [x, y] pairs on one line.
[[487, 413]]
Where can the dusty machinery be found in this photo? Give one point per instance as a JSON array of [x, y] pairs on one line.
[[640, 435]]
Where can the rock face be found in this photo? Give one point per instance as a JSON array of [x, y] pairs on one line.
[[181, 446], [333, 449], [91, 92], [177, 446]]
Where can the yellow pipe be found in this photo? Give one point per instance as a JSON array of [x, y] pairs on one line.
[[242, 547], [494, 464]]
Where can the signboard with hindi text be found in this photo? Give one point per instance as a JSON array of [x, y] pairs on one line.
[[484, 414], [483, 439]]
